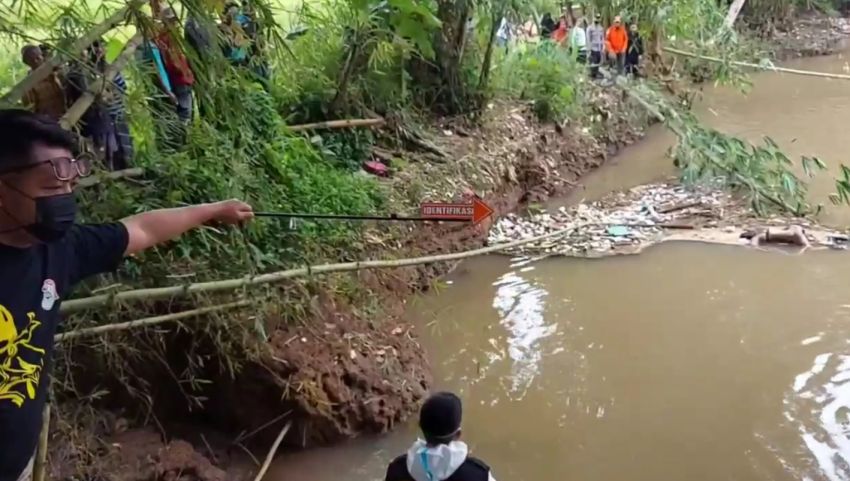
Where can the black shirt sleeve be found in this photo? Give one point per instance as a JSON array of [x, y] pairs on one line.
[[95, 249]]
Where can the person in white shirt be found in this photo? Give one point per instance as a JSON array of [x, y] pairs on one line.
[[503, 35], [578, 41]]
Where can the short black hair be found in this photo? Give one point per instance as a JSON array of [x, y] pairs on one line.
[[440, 418], [29, 50], [21, 130]]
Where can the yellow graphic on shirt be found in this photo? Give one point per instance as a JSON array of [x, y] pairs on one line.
[[18, 378]]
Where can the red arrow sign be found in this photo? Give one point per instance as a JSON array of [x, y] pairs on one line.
[[474, 212]]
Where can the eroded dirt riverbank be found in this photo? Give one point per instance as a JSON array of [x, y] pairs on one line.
[[688, 361]]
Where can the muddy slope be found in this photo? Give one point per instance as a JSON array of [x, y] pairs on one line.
[[349, 372], [356, 366]]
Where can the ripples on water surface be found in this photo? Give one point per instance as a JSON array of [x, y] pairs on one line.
[[688, 362]]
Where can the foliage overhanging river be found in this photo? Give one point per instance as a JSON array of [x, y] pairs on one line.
[[688, 362]]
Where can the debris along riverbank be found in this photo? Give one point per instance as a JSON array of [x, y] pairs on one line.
[[811, 35], [628, 222]]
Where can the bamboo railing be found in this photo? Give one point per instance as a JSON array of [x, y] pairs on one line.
[[769, 68], [159, 293]]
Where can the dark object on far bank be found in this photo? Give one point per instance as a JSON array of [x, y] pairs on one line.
[[547, 26], [441, 456]]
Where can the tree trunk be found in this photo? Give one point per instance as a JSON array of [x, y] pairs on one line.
[[484, 77], [452, 96]]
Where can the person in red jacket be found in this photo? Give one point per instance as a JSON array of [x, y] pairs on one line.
[[180, 74], [616, 43], [560, 34]]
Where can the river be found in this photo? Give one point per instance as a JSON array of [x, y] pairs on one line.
[[688, 361]]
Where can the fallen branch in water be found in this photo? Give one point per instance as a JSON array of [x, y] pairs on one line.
[[677, 125], [147, 321], [272, 451], [771, 68], [338, 124]]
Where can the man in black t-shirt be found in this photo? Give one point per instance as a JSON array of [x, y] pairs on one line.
[[441, 456], [43, 254]]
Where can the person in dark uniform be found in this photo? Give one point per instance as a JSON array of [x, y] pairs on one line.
[[547, 25], [441, 456], [44, 253]]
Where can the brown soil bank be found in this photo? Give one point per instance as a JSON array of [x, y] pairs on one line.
[[355, 366], [348, 372]]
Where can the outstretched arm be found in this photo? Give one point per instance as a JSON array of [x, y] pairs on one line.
[[155, 227]]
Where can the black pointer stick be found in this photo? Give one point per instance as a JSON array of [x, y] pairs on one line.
[[391, 217]]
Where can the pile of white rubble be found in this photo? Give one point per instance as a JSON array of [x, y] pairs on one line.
[[620, 223]]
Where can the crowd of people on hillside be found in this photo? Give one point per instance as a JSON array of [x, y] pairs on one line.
[[618, 46], [104, 125]]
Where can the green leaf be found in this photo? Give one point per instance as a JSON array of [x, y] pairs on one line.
[[113, 49], [807, 167], [788, 183]]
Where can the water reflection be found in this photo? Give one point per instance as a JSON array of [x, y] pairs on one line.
[[521, 305], [819, 409]]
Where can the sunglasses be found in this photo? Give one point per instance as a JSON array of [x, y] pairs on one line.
[[64, 168]]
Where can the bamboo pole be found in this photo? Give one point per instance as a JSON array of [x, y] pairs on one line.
[[39, 472], [117, 174], [148, 321], [272, 451], [17, 92], [159, 293], [792, 71], [73, 114], [155, 293], [338, 124]]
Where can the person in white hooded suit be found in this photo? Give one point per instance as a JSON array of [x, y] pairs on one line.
[[441, 455]]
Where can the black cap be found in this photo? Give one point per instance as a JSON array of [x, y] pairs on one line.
[[440, 417]]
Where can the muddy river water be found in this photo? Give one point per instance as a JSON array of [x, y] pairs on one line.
[[689, 362]]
